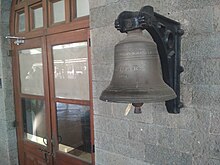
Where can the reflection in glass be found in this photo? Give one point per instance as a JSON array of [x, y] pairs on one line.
[[71, 71], [31, 71], [74, 130], [82, 8], [58, 11], [34, 120], [21, 20], [38, 17]]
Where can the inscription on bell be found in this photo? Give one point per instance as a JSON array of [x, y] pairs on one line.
[[123, 69]]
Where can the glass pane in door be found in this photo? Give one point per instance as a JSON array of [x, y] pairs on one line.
[[71, 71], [58, 11], [82, 8], [73, 124], [34, 120], [31, 71], [21, 22], [38, 17]]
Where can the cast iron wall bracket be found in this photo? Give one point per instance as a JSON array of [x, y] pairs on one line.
[[166, 33]]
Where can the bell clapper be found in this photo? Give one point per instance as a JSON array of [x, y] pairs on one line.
[[128, 109], [137, 107]]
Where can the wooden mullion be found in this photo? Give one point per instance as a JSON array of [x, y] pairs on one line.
[[27, 18], [73, 101], [32, 96], [73, 9], [91, 97], [47, 95], [67, 11], [16, 84], [34, 2]]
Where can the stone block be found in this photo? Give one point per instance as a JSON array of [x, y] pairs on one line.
[[102, 72], [200, 160], [200, 144], [167, 137], [214, 146], [186, 95], [102, 108], [98, 87], [213, 162], [111, 126], [206, 95], [145, 133], [106, 15], [120, 145], [215, 126], [158, 155], [200, 121], [14, 161], [184, 141], [195, 47], [169, 6], [217, 18], [163, 118], [6, 5], [138, 4], [13, 155], [194, 72], [96, 3], [195, 21], [109, 158], [212, 72], [12, 140]]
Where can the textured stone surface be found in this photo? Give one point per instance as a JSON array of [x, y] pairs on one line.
[[213, 162], [215, 126], [180, 5], [187, 138], [195, 21], [214, 146], [186, 95], [199, 46], [217, 18], [146, 133], [122, 146], [115, 127], [110, 158], [8, 147], [158, 155], [207, 95]]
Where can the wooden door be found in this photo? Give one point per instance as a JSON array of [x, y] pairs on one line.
[[71, 97], [32, 102]]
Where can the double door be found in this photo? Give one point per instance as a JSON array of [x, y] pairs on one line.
[[53, 99]]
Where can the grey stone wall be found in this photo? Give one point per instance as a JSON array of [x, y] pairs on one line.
[[8, 144], [156, 137]]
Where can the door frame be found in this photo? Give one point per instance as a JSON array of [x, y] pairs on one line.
[[68, 37]]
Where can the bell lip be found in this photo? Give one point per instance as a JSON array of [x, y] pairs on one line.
[[117, 98]]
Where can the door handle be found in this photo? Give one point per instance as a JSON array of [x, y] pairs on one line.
[[45, 154]]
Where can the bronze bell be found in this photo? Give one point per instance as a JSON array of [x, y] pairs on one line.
[[137, 76]]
